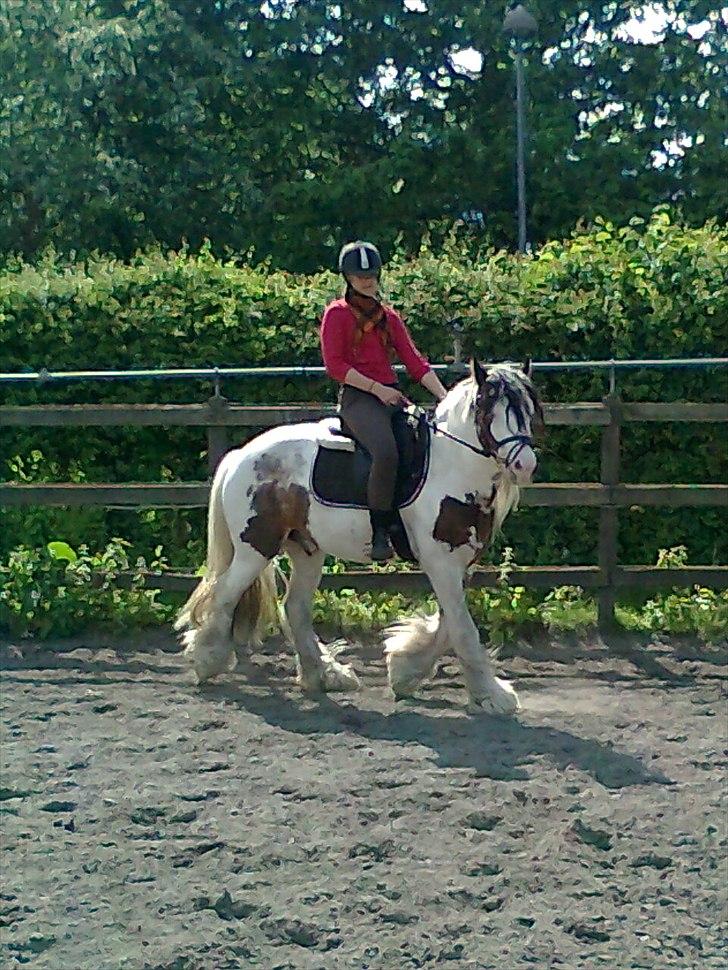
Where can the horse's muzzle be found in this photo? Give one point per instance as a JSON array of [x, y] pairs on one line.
[[524, 466]]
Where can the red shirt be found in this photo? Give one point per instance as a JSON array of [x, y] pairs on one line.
[[370, 356]]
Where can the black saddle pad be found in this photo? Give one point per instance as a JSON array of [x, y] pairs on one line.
[[340, 477]]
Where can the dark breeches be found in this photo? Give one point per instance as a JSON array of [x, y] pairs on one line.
[[370, 422]]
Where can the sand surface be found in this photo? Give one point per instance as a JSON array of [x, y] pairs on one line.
[[148, 824]]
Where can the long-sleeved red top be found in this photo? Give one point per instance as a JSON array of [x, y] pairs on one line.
[[370, 356]]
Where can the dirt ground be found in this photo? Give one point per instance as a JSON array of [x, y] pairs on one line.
[[149, 824]]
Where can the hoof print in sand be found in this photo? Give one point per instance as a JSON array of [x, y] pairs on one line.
[[226, 907], [372, 852], [590, 836], [282, 931], [591, 934], [652, 860], [58, 807], [481, 821]]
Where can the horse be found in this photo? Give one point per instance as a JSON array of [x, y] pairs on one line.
[[263, 503]]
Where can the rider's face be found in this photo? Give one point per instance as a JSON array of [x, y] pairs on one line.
[[368, 285]]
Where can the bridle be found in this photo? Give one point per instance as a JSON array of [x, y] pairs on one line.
[[517, 441], [520, 441]]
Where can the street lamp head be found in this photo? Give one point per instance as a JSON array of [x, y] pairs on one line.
[[519, 23]]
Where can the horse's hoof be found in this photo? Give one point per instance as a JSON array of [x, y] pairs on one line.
[[404, 691], [339, 677], [501, 699], [203, 676], [399, 674], [402, 695], [404, 676]]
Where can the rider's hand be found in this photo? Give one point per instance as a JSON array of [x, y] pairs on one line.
[[390, 395]]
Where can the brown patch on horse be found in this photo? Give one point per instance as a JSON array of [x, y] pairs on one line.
[[305, 540], [279, 510], [268, 468], [459, 523]]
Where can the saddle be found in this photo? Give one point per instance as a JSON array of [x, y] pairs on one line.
[[341, 468]]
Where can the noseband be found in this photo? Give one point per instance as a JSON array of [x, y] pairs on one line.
[[490, 449], [520, 441]]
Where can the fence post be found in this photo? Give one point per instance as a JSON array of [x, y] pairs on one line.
[[608, 514], [457, 341], [217, 435]]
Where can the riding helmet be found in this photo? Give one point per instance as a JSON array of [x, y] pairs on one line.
[[360, 258]]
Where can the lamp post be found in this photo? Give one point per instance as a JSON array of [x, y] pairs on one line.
[[521, 26]]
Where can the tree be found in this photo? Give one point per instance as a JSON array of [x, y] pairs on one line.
[[287, 126]]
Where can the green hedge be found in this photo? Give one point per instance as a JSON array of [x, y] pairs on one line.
[[646, 290]]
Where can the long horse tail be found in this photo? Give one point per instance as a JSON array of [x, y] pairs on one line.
[[259, 610], [219, 556]]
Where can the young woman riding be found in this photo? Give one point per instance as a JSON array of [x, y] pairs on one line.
[[360, 337]]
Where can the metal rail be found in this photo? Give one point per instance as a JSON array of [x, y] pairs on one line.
[[218, 373]]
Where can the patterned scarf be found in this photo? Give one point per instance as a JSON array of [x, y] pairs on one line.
[[370, 315]]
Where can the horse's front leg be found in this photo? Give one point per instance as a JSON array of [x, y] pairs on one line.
[[487, 692]]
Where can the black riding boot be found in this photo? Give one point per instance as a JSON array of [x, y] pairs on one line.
[[381, 546]]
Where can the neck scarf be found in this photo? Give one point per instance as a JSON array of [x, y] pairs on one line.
[[369, 314]]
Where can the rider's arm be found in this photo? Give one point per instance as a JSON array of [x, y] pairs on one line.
[[387, 395], [337, 331], [431, 381], [356, 379], [417, 365]]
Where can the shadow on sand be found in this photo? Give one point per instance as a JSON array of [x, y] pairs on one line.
[[497, 748]]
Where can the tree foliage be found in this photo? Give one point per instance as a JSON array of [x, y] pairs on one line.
[[284, 127]]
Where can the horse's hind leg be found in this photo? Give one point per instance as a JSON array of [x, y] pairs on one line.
[[318, 670], [210, 645]]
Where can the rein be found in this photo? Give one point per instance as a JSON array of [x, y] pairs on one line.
[[520, 441]]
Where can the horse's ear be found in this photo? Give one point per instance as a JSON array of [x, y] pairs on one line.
[[478, 371], [527, 367]]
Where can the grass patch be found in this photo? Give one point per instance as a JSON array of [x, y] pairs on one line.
[[60, 591]]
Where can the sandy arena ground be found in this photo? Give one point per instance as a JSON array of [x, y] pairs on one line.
[[149, 824]]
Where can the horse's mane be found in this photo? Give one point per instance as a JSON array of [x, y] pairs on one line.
[[458, 400], [459, 403], [517, 387]]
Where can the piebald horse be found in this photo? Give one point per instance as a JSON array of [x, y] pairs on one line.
[[262, 504]]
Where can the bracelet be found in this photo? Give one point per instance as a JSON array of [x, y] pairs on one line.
[[371, 387]]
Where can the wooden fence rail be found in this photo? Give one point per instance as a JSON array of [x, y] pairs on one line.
[[191, 495], [220, 418]]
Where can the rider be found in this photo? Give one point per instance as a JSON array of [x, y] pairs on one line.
[[360, 337]]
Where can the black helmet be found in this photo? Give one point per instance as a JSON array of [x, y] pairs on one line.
[[360, 258]]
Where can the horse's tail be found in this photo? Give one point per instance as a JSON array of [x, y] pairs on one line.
[[259, 610], [219, 556]]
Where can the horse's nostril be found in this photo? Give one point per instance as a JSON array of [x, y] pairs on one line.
[[519, 466]]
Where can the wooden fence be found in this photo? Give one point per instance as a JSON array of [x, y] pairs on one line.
[[219, 417]]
